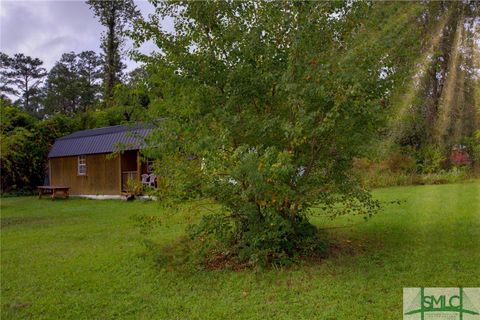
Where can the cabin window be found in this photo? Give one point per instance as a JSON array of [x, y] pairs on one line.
[[82, 166]]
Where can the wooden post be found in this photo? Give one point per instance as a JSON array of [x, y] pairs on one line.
[[139, 166], [49, 172], [120, 172]]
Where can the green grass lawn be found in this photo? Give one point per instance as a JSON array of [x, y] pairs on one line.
[[83, 259]]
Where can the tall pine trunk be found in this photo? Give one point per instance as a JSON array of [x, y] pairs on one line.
[[111, 67]]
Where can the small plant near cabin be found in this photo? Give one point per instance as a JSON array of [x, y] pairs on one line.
[[134, 187]]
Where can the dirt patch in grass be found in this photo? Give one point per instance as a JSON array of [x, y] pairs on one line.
[[19, 305], [349, 247], [6, 222], [221, 261], [176, 256]]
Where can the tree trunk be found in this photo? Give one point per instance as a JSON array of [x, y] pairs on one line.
[[111, 65]]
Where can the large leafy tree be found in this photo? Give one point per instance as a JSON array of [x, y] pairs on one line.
[[22, 76], [62, 86], [132, 97], [18, 166], [6, 82], [25, 143], [73, 83], [265, 104], [90, 74], [114, 15]]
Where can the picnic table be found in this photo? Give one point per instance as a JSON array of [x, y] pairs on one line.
[[53, 190]]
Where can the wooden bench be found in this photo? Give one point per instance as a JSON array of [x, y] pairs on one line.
[[53, 190]]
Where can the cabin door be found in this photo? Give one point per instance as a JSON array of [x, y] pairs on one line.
[[130, 163]]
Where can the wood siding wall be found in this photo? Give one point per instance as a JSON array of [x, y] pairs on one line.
[[103, 175]]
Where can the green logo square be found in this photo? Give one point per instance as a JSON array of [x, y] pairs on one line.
[[441, 303]]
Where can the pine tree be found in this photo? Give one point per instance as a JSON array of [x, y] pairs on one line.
[[115, 16]]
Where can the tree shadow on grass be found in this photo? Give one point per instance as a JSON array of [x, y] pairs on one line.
[[186, 255]]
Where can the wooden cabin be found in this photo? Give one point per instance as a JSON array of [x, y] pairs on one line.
[[98, 161]]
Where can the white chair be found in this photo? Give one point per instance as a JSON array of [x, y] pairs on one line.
[[145, 179], [152, 179]]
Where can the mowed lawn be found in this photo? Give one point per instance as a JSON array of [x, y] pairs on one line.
[[83, 259]]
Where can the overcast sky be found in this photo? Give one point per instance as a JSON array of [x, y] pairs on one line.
[[46, 29]]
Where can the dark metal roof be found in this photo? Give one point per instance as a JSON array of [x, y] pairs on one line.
[[100, 140]]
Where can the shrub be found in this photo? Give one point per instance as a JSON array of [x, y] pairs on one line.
[[473, 146], [430, 159], [396, 170], [264, 240], [454, 175], [399, 170], [134, 187], [398, 162]]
